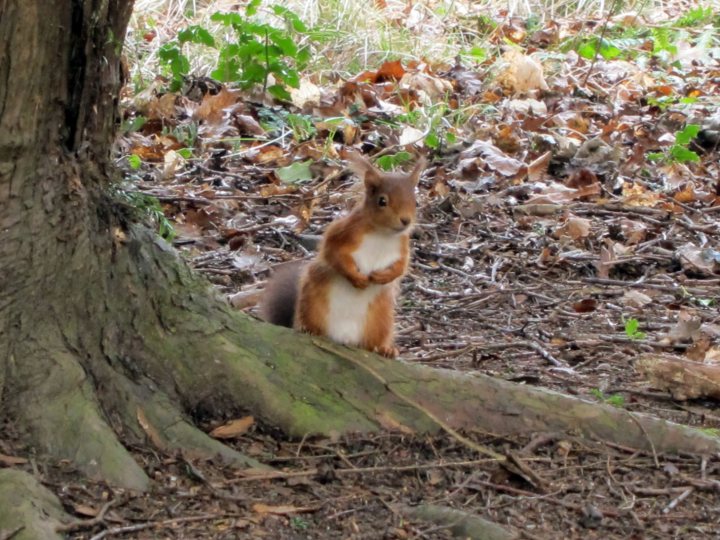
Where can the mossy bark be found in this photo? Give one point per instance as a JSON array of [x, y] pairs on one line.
[[28, 510]]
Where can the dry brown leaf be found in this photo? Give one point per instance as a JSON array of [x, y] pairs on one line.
[[391, 70], [386, 421], [606, 261], [520, 73], [149, 429], [85, 510], [495, 158], [537, 170], [586, 305], [9, 461], [307, 93], [212, 108], [233, 429], [635, 298], [633, 231], [575, 227], [705, 261], [162, 108], [686, 329], [247, 125]]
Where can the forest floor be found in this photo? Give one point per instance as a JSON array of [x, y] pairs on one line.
[[549, 251]]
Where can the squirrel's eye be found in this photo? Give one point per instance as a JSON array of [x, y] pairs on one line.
[[382, 200]]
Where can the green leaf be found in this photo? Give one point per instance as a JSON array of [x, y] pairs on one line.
[[682, 154], [478, 54], [588, 50], [252, 7], [297, 172], [134, 125], [291, 17], [616, 400], [432, 140], [391, 161], [228, 19], [631, 326], [655, 156], [196, 34], [285, 43], [687, 134], [185, 152], [278, 91], [134, 161]]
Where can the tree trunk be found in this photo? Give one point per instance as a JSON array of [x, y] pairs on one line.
[[107, 339]]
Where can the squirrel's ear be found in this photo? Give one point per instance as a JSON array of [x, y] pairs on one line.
[[418, 169], [364, 169]]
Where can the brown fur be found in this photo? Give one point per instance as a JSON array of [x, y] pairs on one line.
[[308, 287]]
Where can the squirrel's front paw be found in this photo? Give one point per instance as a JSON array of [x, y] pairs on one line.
[[359, 281], [381, 277]]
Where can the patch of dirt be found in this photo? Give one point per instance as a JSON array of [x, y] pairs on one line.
[[356, 487]]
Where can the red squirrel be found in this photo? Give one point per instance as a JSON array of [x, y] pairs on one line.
[[348, 291]]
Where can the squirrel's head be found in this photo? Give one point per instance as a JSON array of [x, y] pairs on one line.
[[389, 196]]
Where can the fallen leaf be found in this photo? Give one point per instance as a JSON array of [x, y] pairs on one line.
[[635, 298], [704, 261], [233, 429], [519, 73], [297, 172], [586, 305], [575, 227], [9, 461], [84, 510], [495, 158], [537, 170], [150, 430]]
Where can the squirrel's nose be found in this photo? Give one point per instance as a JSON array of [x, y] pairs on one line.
[[405, 221]]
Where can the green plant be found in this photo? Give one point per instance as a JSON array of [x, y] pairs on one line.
[[296, 522], [390, 161], [679, 152], [696, 17], [632, 329], [616, 400], [302, 126], [172, 52], [256, 51], [147, 207]]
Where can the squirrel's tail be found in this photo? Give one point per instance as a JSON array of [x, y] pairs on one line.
[[280, 296]]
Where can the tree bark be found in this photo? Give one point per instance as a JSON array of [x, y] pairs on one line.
[[107, 339]]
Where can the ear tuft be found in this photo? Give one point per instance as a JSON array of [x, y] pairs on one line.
[[362, 166], [418, 170]]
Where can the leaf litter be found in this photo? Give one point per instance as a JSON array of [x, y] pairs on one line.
[[564, 232]]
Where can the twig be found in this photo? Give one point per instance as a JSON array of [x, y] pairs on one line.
[[153, 524], [677, 500], [88, 523]]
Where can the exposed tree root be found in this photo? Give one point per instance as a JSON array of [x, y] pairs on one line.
[[59, 409], [28, 510], [461, 524]]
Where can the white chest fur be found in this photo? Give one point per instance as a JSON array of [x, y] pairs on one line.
[[377, 251], [348, 306]]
